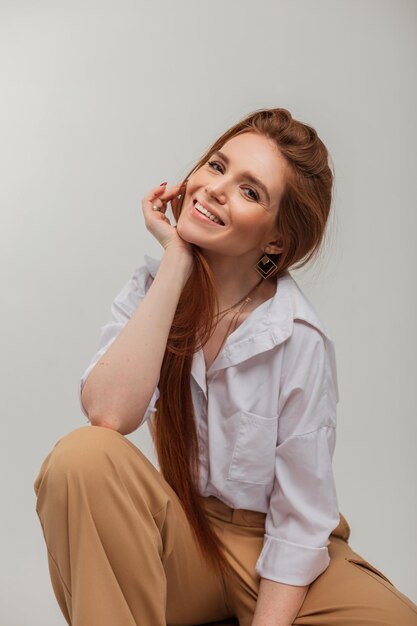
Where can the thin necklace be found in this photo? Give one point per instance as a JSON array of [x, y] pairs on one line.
[[234, 319], [246, 299]]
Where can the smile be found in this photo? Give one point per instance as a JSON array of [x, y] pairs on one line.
[[199, 212]]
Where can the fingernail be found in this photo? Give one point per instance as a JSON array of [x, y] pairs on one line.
[[163, 184]]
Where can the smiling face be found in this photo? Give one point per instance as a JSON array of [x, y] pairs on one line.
[[225, 184]]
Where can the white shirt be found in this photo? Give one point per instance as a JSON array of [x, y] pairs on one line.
[[266, 422]]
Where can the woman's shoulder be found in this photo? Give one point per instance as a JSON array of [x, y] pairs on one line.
[[309, 337], [151, 264], [143, 276], [289, 303], [300, 307], [134, 290]]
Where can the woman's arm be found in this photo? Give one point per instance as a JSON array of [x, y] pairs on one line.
[[278, 604], [120, 386], [303, 507]]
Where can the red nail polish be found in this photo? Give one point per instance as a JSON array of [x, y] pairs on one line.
[[163, 184]]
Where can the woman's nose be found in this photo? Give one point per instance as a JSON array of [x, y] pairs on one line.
[[217, 192]]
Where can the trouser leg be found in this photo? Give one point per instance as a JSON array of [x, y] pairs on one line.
[[120, 549], [352, 591]]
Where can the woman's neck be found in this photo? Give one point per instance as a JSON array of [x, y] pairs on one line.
[[235, 278], [265, 290]]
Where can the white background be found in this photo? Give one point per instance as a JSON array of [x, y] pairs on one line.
[[100, 101]]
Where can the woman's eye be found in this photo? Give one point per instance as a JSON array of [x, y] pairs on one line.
[[212, 163], [256, 195]]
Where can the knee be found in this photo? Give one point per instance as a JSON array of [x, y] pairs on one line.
[[82, 451], [86, 447]]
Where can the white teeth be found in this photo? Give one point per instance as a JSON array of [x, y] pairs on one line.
[[201, 209]]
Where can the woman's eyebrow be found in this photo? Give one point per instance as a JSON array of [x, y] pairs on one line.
[[246, 175]]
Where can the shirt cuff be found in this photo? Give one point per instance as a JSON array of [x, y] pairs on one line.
[[291, 563]]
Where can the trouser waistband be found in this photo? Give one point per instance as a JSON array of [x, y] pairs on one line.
[[244, 517]]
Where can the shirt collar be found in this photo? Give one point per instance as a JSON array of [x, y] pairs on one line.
[[269, 325]]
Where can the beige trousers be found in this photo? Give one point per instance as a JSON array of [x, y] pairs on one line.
[[121, 552]]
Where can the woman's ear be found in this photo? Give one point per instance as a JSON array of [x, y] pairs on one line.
[[276, 246]]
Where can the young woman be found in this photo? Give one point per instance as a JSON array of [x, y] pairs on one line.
[[218, 350]]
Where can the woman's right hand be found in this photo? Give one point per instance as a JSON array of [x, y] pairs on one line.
[[158, 223]]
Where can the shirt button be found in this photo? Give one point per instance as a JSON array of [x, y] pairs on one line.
[[201, 447]]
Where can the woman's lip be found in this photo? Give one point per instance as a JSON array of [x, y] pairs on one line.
[[201, 217]]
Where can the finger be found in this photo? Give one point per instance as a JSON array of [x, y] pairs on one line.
[[173, 191], [155, 192], [161, 207], [176, 197], [151, 201], [175, 201], [159, 196]]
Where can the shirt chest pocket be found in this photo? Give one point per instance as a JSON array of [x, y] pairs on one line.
[[253, 457]]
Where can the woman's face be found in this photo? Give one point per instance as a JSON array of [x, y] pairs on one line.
[[225, 185]]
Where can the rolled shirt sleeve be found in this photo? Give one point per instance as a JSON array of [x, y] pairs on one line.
[[303, 508], [121, 310]]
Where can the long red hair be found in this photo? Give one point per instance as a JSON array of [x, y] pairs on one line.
[[301, 221]]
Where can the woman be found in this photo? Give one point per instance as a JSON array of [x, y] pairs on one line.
[[215, 347]]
